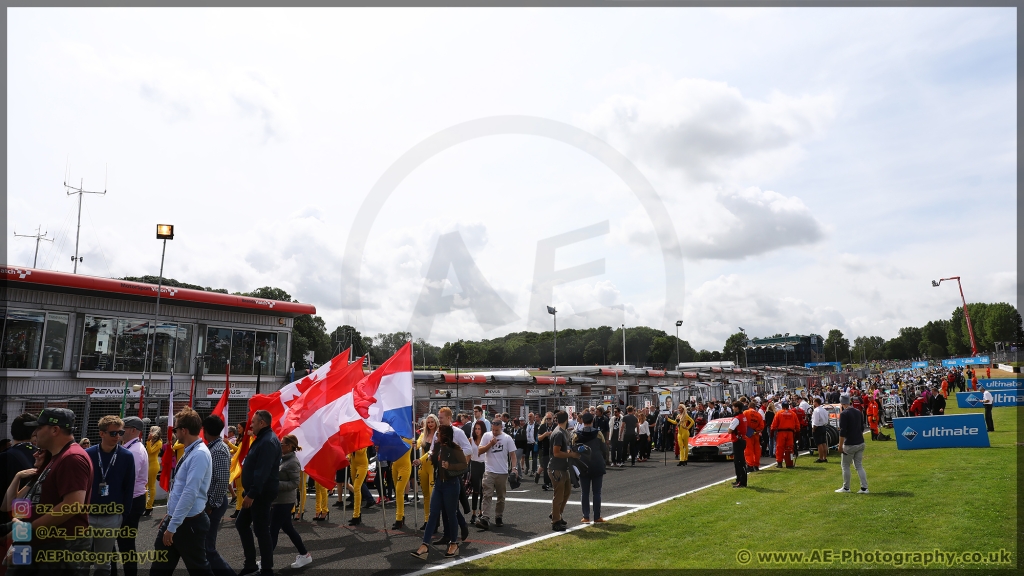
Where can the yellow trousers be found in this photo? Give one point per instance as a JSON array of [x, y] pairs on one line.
[[358, 465], [426, 481], [151, 487], [321, 499], [401, 471], [683, 438], [238, 493]]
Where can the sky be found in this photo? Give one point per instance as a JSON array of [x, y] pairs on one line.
[[452, 172]]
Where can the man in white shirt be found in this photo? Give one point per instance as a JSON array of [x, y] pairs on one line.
[[132, 442], [804, 405], [496, 447], [819, 420], [986, 400], [531, 444]]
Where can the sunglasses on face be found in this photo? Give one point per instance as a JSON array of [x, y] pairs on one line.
[[115, 433]]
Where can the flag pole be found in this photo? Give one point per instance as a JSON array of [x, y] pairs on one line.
[[383, 496], [412, 452]]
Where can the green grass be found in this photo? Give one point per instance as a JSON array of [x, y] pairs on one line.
[[956, 500]]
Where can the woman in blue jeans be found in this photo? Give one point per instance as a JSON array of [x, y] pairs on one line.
[[593, 469], [289, 475], [449, 464]]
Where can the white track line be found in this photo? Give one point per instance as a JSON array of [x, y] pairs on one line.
[[556, 534], [577, 502]]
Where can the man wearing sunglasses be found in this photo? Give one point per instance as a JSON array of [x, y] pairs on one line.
[[113, 484]]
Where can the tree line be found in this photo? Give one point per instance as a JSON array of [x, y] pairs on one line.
[[644, 346]]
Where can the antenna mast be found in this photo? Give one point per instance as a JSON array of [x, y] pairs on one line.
[[80, 191], [38, 237]]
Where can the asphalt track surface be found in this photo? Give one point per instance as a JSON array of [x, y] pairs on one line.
[[370, 549]]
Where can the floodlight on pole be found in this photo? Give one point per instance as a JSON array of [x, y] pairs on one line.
[[164, 232], [554, 314], [623, 345], [746, 363], [678, 324], [967, 316]]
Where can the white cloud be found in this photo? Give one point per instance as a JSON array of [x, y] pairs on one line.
[[710, 131]]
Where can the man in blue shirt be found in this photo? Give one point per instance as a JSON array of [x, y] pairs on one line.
[[113, 481], [182, 533]]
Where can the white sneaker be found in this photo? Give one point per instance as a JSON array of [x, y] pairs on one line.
[[843, 491], [863, 491], [302, 560]]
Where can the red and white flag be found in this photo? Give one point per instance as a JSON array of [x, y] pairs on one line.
[[280, 401], [324, 421], [167, 459]]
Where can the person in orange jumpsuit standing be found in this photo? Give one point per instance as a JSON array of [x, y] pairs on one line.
[[945, 389], [786, 426], [755, 425], [873, 419]]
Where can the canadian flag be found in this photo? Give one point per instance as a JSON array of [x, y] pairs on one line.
[[280, 401], [323, 424]]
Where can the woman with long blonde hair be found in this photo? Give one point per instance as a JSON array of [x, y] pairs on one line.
[[426, 475], [683, 424]]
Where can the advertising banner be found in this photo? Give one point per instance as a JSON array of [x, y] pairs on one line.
[[235, 392], [109, 392], [916, 365], [951, 431], [994, 383], [1000, 397], [954, 362]]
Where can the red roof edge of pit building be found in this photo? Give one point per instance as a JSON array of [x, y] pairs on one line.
[[13, 276]]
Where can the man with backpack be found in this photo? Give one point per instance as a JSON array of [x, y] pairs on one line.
[[593, 464]]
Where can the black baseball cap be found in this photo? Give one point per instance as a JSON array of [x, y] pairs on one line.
[[60, 417]]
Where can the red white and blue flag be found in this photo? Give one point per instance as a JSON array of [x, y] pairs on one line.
[[346, 411]]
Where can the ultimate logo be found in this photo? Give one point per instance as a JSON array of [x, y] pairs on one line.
[[910, 434], [973, 400]]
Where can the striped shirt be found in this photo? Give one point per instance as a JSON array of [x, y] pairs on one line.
[[221, 470]]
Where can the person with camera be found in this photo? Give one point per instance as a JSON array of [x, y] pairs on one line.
[[496, 447], [450, 464]]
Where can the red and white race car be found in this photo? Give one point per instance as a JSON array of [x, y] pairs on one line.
[[713, 441]]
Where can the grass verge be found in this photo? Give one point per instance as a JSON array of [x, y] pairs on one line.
[[954, 500]]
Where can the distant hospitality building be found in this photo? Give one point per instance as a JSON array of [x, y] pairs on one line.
[[787, 350], [77, 341]]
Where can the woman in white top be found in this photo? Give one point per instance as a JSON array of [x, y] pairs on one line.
[[644, 438]]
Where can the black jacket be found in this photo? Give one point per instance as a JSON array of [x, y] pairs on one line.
[[519, 437], [599, 457], [260, 469]]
